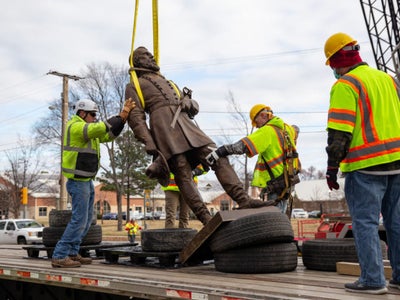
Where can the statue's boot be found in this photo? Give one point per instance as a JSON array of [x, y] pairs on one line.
[[232, 185]]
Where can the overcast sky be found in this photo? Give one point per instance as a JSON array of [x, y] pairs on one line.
[[262, 51]]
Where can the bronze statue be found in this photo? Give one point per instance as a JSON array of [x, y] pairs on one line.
[[174, 134]]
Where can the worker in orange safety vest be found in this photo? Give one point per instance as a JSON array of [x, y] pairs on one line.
[[132, 228]]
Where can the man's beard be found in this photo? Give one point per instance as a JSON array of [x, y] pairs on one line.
[[150, 66]]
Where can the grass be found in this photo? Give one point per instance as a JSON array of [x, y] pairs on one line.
[[110, 227]]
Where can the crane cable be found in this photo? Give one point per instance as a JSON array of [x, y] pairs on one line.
[[133, 76]]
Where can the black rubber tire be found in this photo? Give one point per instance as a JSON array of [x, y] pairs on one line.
[[258, 229], [51, 235], [21, 240], [166, 240], [61, 218], [267, 258], [323, 254]]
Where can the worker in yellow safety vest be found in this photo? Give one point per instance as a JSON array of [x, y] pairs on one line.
[[364, 141], [174, 199], [277, 167], [132, 228], [80, 163]]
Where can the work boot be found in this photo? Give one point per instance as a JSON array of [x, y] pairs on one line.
[[232, 185], [81, 259], [66, 262]]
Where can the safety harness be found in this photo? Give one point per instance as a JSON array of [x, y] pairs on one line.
[[284, 183]]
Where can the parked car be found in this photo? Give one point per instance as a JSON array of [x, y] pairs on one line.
[[148, 216], [299, 213], [20, 231], [137, 216], [314, 214], [162, 215], [109, 216]]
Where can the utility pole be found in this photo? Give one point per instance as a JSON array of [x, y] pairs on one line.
[[62, 202]]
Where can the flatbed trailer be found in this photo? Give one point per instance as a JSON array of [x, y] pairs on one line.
[[23, 277]]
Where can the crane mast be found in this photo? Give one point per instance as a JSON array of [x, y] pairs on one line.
[[382, 18]]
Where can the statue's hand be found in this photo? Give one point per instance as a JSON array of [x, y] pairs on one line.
[[190, 106]]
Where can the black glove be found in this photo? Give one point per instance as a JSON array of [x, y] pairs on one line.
[[216, 154], [331, 178], [115, 125], [197, 172]]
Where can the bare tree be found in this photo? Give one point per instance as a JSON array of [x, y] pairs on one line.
[[26, 163], [105, 85], [130, 161], [240, 128], [47, 130]]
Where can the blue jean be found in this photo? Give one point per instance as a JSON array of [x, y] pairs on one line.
[[367, 196], [282, 205], [82, 194]]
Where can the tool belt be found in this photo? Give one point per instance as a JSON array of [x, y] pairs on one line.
[[278, 186]]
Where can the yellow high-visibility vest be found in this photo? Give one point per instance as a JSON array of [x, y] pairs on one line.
[[267, 143], [365, 103]]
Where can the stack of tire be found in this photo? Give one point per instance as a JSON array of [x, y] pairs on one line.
[[257, 243], [165, 244], [323, 254], [58, 221]]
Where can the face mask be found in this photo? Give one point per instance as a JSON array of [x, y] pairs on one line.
[[336, 74]]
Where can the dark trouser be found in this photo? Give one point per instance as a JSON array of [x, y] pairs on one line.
[[131, 238], [173, 200]]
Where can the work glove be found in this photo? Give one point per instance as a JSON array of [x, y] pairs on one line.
[[197, 172], [331, 178], [216, 154], [115, 125], [128, 106]]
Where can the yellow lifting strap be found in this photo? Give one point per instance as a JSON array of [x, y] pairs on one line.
[[132, 73], [156, 52]]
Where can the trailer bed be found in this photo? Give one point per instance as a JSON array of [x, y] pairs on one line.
[[193, 282]]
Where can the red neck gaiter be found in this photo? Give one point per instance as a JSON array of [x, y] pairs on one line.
[[344, 58]]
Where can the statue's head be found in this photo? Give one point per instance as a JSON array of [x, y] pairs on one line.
[[142, 58]]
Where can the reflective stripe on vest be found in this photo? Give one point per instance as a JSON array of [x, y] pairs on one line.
[[261, 174], [370, 147], [172, 184], [88, 149]]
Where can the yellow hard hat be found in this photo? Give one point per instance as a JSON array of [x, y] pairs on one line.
[[336, 42], [255, 110]]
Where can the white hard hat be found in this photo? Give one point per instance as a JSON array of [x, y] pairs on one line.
[[85, 105]]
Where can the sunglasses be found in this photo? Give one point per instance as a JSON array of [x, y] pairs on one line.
[[93, 114]]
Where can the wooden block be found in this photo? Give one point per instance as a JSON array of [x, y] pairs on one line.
[[347, 268]]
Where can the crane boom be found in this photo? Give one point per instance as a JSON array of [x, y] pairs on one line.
[[382, 18]]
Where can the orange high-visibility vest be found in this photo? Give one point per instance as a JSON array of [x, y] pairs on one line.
[[365, 103]]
